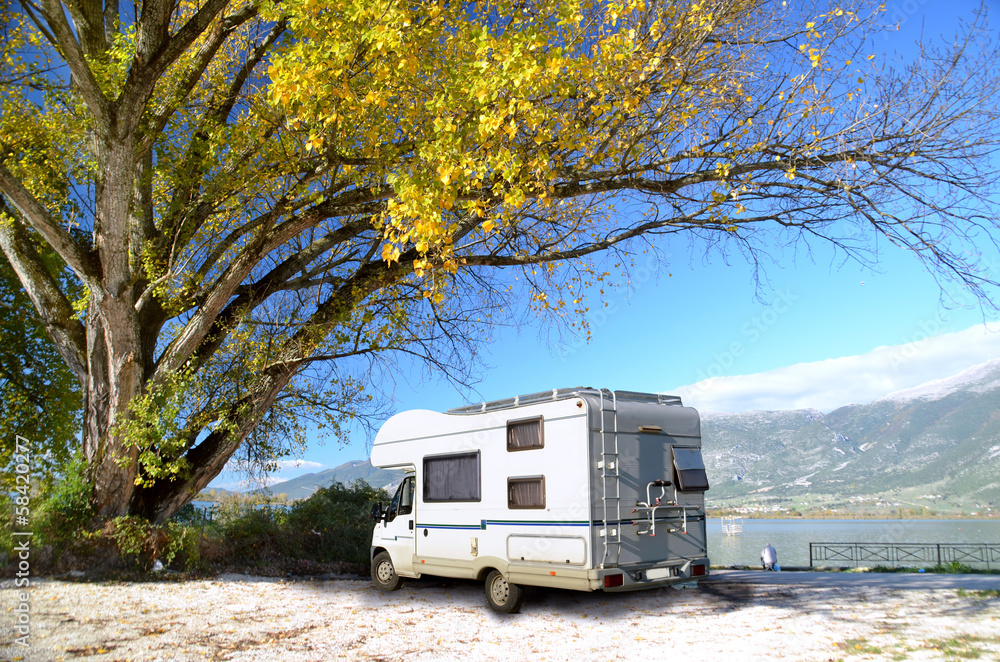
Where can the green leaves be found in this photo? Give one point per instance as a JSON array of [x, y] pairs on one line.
[[40, 399], [156, 429]]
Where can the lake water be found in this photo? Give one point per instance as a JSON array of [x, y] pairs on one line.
[[791, 537], [209, 505]]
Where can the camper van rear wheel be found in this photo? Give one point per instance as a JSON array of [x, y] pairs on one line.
[[384, 574], [503, 596]]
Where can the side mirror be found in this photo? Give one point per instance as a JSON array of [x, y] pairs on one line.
[[377, 512]]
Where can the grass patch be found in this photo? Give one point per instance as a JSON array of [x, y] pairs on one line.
[[985, 594], [954, 567], [959, 648], [859, 647]]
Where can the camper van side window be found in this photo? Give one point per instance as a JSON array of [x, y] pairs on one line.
[[526, 492], [402, 502], [452, 477], [525, 434]]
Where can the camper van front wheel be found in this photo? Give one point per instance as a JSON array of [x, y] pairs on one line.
[[503, 596], [383, 574]]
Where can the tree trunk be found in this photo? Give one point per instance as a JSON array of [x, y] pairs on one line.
[[115, 366], [159, 502]]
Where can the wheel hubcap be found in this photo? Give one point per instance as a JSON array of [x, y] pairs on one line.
[[500, 590], [384, 572]]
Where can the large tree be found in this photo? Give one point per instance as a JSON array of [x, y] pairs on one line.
[[257, 194]]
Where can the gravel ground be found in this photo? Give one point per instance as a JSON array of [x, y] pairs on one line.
[[236, 617]]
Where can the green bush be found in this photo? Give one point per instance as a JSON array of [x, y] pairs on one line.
[[245, 531], [67, 509], [328, 531], [330, 527], [58, 512], [333, 524], [954, 567]]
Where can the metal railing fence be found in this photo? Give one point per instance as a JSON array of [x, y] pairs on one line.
[[904, 554]]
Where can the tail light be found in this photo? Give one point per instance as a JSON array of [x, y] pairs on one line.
[[697, 571], [610, 581]]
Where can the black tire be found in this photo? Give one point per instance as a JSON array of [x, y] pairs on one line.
[[503, 596], [384, 574]]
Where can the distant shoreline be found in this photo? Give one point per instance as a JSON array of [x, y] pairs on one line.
[[848, 516]]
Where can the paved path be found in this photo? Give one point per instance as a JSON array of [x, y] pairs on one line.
[[917, 580]]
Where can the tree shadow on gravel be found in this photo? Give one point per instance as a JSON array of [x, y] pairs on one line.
[[716, 597]]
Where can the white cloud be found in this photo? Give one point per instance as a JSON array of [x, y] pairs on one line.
[[299, 464], [264, 481], [244, 485], [237, 466], [826, 385]]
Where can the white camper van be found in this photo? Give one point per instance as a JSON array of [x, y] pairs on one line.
[[577, 488]]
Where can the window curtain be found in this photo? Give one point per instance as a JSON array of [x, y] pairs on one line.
[[526, 434], [527, 493], [452, 478]]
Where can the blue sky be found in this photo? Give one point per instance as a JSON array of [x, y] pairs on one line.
[[820, 333]]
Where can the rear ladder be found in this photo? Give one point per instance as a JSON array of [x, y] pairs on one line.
[[611, 496]]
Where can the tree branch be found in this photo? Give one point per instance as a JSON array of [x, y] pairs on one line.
[[76, 60], [53, 308], [80, 261]]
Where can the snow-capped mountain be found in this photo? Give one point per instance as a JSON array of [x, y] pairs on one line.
[[942, 437], [979, 378]]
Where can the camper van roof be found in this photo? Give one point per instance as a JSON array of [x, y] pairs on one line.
[[562, 394]]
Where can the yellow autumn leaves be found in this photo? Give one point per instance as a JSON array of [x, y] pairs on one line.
[[466, 113]]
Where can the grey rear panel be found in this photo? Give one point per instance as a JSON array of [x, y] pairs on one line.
[[643, 457]]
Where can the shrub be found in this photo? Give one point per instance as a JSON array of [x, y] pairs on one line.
[[58, 512], [133, 543], [954, 567], [330, 528], [329, 531], [245, 531], [67, 509], [333, 524]]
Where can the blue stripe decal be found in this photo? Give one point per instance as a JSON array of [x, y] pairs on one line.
[[484, 523], [509, 523], [699, 518]]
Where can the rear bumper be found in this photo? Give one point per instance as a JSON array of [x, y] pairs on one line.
[[636, 578], [630, 578]]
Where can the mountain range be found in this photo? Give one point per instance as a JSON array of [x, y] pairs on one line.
[[939, 441], [933, 446], [304, 486]]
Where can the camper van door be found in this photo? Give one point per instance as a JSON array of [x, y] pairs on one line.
[[398, 528]]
